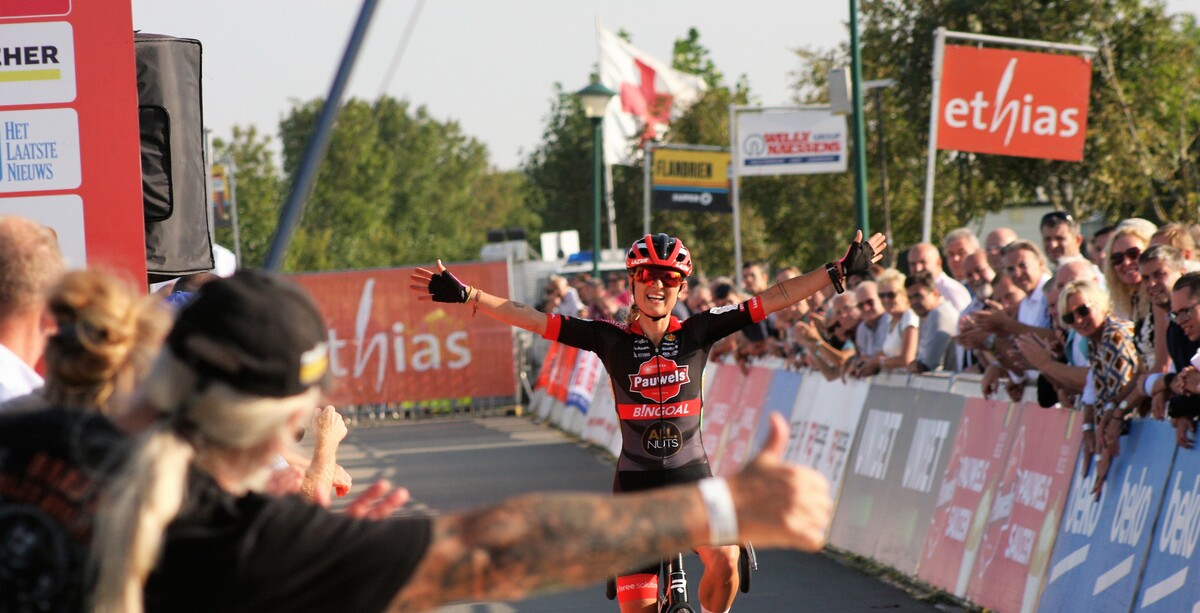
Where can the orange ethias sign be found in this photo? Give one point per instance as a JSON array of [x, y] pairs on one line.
[[1014, 103], [386, 346]]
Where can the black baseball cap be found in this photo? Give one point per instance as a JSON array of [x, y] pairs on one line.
[[258, 333]]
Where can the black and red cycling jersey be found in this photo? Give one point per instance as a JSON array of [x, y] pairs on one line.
[[657, 389]]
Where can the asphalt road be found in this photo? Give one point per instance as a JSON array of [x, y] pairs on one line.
[[457, 463]]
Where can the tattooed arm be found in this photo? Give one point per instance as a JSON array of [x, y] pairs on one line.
[[541, 542]]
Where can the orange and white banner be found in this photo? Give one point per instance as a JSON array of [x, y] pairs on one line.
[[386, 346], [1014, 103]]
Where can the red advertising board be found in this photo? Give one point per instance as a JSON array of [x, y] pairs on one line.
[[719, 400], [1026, 505], [985, 431], [69, 143], [741, 422], [1014, 103], [386, 346]]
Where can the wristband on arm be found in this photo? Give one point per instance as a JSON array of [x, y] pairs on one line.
[[835, 277], [722, 515]]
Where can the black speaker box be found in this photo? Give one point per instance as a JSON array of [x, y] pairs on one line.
[[174, 186]]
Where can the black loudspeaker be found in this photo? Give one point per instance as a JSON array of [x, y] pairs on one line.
[[174, 187]]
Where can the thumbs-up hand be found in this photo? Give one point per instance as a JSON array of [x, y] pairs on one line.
[[780, 504]]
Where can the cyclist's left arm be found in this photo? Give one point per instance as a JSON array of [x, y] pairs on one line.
[[857, 259]]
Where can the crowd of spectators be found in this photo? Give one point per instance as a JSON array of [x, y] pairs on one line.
[[1103, 324]]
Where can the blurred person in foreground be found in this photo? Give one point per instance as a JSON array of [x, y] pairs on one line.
[[30, 262], [245, 362], [59, 444], [107, 335]]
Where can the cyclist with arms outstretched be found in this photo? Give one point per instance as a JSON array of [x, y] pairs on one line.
[[656, 364]]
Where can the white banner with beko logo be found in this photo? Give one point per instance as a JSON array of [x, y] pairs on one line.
[[790, 143]]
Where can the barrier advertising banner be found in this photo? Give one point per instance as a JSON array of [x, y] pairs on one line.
[[1171, 581], [1102, 545], [1016, 103], [791, 142], [1025, 508], [896, 468], [741, 422], [824, 419], [601, 427], [69, 142], [386, 346], [689, 180], [780, 398], [718, 402], [985, 431]]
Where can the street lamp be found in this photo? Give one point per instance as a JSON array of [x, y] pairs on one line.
[[595, 99]]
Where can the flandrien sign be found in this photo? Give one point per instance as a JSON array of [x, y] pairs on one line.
[[1017, 103]]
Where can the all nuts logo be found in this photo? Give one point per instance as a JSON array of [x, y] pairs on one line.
[[658, 379]]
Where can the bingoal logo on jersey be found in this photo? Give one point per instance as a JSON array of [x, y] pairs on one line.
[[658, 379]]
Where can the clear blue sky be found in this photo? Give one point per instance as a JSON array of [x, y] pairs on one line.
[[488, 64]]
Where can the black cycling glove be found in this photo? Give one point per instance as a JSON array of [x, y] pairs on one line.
[[857, 259], [445, 287]]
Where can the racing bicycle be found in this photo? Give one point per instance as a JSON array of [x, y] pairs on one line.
[[672, 581]]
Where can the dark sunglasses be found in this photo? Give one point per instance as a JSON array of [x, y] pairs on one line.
[[1182, 315], [887, 295], [866, 303], [1119, 258], [1056, 217], [669, 278], [1080, 312]]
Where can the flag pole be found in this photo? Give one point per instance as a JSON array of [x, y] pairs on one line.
[[939, 45], [733, 191]]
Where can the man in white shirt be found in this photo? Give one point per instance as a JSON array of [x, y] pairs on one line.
[[30, 262], [924, 257]]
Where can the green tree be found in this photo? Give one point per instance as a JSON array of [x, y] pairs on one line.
[[396, 187]]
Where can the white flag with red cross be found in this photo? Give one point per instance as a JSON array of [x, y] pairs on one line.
[[649, 94]]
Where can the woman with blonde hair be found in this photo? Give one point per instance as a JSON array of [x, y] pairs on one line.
[[900, 348], [107, 334], [1082, 305]]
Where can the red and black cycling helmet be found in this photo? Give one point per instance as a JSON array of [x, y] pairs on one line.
[[661, 251]]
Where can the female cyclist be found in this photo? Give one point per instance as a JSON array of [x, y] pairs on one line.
[[656, 364]]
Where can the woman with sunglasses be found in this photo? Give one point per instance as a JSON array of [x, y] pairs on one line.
[[656, 365], [1124, 280], [1082, 305]]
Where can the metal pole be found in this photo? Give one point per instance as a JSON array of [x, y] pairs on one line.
[[883, 178], [733, 192], [231, 180], [939, 44], [860, 138], [318, 143], [597, 154], [610, 207], [647, 152]]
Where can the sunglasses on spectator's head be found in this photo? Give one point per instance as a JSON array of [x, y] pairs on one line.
[[669, 278], [887, 295], [1080, 312], [1119, 257], [1056, 217]]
